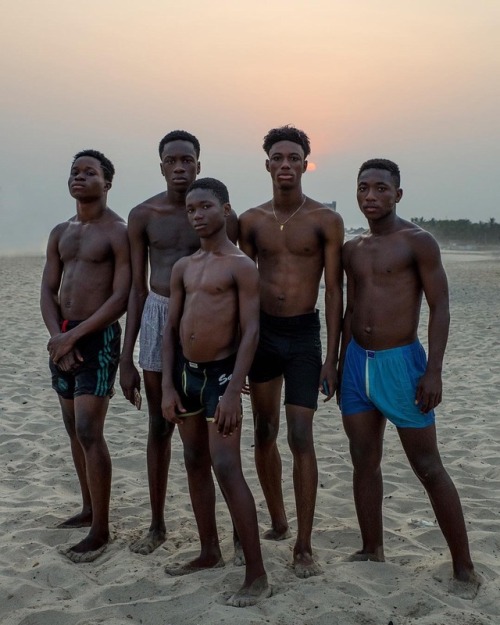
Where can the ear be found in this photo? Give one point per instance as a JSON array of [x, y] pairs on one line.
[[107, 185], [267, 164], [198, 168], [399, 195], [162, 170], [227, 209], [305, 167]]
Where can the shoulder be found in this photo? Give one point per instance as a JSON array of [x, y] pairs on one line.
[[146, 208], [418, 238], [60, 229], [253, 215]]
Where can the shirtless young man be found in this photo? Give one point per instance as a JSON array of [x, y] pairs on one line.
[[84, 291], [213, 324], [293, 239], [385, 374], [159, 234]]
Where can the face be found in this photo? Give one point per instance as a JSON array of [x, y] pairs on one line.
[[377, 194], [205, 212], [286, 164], [86, 179], [179, 164]]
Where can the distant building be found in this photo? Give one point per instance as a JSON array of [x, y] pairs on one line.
[[332, 204]]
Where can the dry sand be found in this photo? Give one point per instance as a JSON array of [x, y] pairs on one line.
[[38, 586]]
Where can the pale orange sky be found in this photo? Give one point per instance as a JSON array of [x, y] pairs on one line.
[[415, 82]]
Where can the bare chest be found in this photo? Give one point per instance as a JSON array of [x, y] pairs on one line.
[[300, 239], [85, 242], [171, 233]]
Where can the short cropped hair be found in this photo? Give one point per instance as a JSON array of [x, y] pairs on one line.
[[287, 133], [106, 165], [382, 163], [180, 135], [217, 187]]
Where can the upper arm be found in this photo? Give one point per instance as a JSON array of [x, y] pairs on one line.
[[138, 250], [334, 240], [52, 272], [245, 237], [346, 257], [121, 251], [431, 270], [177, 294], [247, 282]]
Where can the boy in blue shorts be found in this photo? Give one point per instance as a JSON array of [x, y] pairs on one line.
[[84, 292], [384, 371], [209, 342]]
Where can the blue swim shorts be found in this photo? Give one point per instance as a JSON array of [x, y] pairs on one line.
[[385, 380]]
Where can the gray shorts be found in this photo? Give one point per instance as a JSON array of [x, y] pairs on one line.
[[154, 317]]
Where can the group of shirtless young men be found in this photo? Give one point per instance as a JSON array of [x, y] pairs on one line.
[[210, 314]]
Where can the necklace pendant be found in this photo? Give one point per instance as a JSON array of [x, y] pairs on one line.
[[281, 226]]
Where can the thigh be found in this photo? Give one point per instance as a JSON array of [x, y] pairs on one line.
[[302, 370], [266, 402], [365, 431], [90, 414], [420, 445]]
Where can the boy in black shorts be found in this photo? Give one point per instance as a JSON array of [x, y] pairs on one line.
[[84, 291], [214, 319]]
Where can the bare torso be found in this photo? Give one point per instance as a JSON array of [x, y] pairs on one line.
[[209, 324], [290, 260], [386, 287], [88, 258], [167, 235]]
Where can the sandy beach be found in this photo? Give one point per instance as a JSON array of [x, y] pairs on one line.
[[38, 489]]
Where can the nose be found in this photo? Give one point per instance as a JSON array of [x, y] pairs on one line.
[[179, 167]]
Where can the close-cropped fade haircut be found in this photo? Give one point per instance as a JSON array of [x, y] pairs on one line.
[[180, 135], [287, 133], [106, 165], [382, 163], [217, 187]]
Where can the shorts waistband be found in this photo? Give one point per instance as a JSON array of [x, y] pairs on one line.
[[380, 354], [69, 324], [211, 367], [159, 298], [298, 321]]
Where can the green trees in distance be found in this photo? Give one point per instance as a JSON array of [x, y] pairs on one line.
[[462, 231]]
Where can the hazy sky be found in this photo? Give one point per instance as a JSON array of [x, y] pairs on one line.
[[417, 82]]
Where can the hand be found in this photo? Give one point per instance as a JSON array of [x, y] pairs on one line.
[[60, 345], [228, 413], [171, 406], [429, 391], [328, 381], [129, 380], [71, 361]]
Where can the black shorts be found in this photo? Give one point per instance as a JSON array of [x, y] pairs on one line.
[[291, 347], [96, 374], [202, 384]]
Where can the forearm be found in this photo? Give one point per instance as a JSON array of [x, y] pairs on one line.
[[244, 359], [333, 318], [439, 324], [135, 308], [169, 345], [51, 312], [112, 309]]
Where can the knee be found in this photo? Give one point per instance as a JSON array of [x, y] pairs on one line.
[[86, 435], [265, 432], [428, 470], [196, 460], [225, 469], [300, 439], [365, 459], [159, 428]]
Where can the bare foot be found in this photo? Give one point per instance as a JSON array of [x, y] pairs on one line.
[[82, 519], [362, 556], [305, 566], [273, 534], [194, 566], [85, 551], [250, 595], [239, 556], [147, 544], [466, 588]]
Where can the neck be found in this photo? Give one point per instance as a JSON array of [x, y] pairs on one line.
[[287, 199], [215, 242], [177, 198], [90, 211], [386, 225]]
